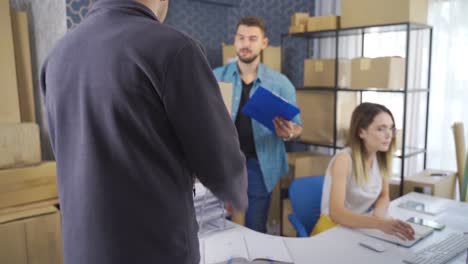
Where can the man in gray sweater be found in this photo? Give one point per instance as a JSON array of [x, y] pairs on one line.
[[134, 112]]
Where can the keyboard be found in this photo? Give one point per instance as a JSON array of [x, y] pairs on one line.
[[439, 252]]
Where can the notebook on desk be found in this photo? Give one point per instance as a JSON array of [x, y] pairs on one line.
[[420, 232], [236, 247]]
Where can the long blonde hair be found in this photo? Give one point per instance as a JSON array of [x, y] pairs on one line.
[[362, 117]]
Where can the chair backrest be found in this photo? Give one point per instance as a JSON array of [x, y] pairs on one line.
[[460, 153], [305, 195], [464, 182]]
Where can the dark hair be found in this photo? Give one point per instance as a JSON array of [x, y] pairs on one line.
[[362, 117], [252, 21]]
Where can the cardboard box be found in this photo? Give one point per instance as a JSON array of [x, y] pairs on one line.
[[31, 237], [23, 66], [317, 112], [229, 53], [26, 185], [318, 23], [226, 93], [301, 164], [9, 101], [423, 182], [287, 229], [299, 19], [382, 72], [297, 29], [304, 164], [321, 73], [441, 185], [19, 145], [358, 13], [271, 56]]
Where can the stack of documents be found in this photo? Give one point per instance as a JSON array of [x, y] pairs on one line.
[[209, 210]]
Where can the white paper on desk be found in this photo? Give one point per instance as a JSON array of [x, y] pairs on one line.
[[221, 248], [455, 218], [434, 207], [266, 247]]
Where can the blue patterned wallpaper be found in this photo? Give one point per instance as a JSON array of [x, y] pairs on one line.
[[213, 24]]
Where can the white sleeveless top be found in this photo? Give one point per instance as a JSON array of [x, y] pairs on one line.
[[358, 199]]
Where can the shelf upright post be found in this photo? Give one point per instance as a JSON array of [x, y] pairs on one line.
[[428, 96], [335, 92], [363, 34], [405, 101]]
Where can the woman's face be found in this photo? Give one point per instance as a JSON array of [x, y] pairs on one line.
[[378, 136]]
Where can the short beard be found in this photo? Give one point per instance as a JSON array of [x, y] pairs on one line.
[[249, 60]]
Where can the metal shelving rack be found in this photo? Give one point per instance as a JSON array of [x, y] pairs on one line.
[[404, 152]]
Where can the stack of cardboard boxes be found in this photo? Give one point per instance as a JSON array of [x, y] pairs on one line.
[[303, 22], [270, 56], [356, 73], [298, 22], [29, 225]]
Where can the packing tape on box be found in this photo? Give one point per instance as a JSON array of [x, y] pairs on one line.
[[365, 64], [318, 66]]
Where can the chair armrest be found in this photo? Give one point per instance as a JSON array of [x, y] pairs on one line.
[[300, 229]]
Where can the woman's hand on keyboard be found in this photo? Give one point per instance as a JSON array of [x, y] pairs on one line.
[[397, 228]]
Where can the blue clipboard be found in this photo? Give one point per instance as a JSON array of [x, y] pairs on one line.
[[264, 106]]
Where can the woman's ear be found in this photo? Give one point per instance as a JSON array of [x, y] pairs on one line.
[[362, 133]]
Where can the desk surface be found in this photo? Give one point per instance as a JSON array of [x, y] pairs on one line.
[[340, 244]]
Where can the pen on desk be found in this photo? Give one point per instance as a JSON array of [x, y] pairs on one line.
[[438, 174]]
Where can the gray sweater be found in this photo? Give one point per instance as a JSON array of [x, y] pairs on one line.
[[134, 112]]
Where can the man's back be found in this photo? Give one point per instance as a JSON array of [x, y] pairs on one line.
[[124, 162]]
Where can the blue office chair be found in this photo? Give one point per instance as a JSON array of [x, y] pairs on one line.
[[305, 195]]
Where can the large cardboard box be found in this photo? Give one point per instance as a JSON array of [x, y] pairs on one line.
[[382, 72], [304, 164], [317, 112], [394, 189], [439, 183], [31, 237], [23, 66], [226, 93], [317, 23], [26, 185], [229, 53], [358, 13], [433, 182], [271, 56], [321, 73], [9, 102], [297, 28], [299, 18], [287, 229], [19, 145]]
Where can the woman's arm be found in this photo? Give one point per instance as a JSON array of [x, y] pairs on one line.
[[345, 217], [339, 171], [383, 202]]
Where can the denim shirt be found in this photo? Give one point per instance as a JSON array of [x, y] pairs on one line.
[[271, 152]]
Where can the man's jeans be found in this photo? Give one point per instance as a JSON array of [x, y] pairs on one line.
[[259, 198]]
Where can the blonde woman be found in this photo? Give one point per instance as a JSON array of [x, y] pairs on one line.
[[356, 190]]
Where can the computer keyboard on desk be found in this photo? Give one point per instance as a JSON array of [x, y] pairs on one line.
[[439, 252]]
